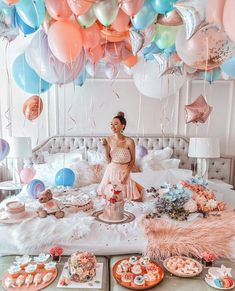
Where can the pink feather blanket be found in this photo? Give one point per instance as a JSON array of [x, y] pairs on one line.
[[167, 237]]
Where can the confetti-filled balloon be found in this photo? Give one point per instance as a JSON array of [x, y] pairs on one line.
[[35, 187], [198, 111]]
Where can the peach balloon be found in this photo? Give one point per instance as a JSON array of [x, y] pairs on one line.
[[11, 2], [229, 18], [132, 7], [109, 35], [91, 36], [32, 107], [131, 61], [65, 41], [214, 12], [122, 21], [95, 54], [79, 7], [58, 10]]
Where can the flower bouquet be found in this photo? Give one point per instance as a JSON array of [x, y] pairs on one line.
[[56, 253]]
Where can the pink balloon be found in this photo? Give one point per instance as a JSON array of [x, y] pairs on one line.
[[58, 10], [79, 7], [214, 12], [115, 52], [132, 7], [27, 174], [91, 36], [65, 41], [229, 18], [121, 23]]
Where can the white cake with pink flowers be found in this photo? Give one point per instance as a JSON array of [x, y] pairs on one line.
[[114, 209]]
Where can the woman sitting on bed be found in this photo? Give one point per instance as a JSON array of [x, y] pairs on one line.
[[120, 154]]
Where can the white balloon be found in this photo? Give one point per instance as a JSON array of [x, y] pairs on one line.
[[147, 79]]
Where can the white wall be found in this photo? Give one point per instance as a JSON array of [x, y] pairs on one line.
[[70, 110]]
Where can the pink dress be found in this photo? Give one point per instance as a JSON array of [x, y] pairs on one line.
[[116, 170]]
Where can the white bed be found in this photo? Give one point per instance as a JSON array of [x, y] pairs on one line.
[[81, 231]]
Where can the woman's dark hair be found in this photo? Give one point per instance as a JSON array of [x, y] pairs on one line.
[[121, 118]]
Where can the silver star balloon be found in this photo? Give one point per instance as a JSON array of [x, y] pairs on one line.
[[137, 40], [7, 31], [161, 58], [193, 14]]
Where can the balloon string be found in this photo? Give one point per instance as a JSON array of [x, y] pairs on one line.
[[139, 114], [207, 56], [7, 113]]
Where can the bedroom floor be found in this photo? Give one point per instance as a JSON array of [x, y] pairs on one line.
[[169, 283]]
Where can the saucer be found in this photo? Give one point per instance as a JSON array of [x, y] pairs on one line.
[[128, 217], [6, 220], [211, 283]]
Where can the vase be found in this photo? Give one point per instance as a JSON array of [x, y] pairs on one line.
[[56, 259], [207, 264]]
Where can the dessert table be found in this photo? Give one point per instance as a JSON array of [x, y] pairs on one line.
[[6, 261], [173, 283]]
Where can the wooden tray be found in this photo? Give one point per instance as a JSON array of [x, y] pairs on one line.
[[31, 287], [161, 273], [179, 274]]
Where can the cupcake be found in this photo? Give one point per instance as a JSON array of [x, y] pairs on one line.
[[119, 271], [127, 278], [152, 269], [50, 267], [31, 269], [144, 261], [149, 279], [41, 260], [133, 260], [125, 265], [136, 269], [14, 271], [138, 281]]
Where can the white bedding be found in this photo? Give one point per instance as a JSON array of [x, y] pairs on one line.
[[81, 231]]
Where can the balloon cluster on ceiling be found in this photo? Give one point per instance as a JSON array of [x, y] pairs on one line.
[[160, 40]]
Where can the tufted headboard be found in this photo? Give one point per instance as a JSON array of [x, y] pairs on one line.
[[220, 168]]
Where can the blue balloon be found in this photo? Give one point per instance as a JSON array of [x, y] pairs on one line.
[[65, 177], [4, 149], [32, 12], [6, 10], [162, 6], [210, 76], [23, 26], [229, 67], [35, 187], [149, 50], [26, 78], [169, 51], [144, 17], [80, 80]]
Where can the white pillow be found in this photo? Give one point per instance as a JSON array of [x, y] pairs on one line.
[[155, 179], [170, 164], [96, 157], [45, 173], [65, 158]]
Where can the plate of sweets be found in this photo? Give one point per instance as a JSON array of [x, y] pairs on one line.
[[182, 266], [31, 275], [137, 273], [220, 278]]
